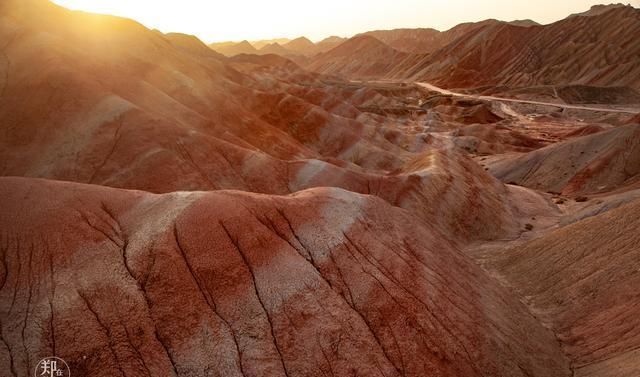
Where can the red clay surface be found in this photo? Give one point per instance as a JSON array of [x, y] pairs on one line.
[[167, 210]]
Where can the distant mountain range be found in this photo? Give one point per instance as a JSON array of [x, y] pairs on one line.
[[286, 47], [597, 47], [600, 47]]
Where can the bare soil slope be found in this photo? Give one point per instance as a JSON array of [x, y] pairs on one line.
[[295, 223], [599, 162], [580, 281], [362, 56], [323, 282], [599, 50]]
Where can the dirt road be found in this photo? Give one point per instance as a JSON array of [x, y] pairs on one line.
[[512, 100]]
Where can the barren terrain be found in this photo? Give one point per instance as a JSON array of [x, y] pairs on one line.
[[170, 210]]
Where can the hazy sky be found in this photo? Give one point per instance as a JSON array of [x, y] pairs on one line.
[[213, 20]]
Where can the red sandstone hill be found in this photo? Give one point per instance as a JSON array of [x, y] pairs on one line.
[[359, 57], [415, 43], [409, 40], [142, 112], [597, 48], [302, 46], [424, 41], [274, 48], [599, 162], [329, 43], [320, 282], [600, 49], [447, 37], [599, 9], [285, 227]]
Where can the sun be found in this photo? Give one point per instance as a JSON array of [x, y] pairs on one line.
[[211, 21], [259, 19]]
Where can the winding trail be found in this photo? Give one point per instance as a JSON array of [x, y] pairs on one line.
[[512, 100]]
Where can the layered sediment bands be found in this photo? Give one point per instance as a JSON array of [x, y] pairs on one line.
[[581, 282], [113, 106], [594, 50], [131, 108], [293, 223], [597, 49], [322, 282], [594, 163]]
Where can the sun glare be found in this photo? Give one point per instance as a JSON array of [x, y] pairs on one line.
[[259, 19]]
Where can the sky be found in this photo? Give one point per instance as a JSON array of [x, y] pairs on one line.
[[236, 20]]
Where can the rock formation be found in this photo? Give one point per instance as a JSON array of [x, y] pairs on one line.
[[170, 210]]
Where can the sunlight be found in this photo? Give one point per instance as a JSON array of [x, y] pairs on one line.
[[256, 19]]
